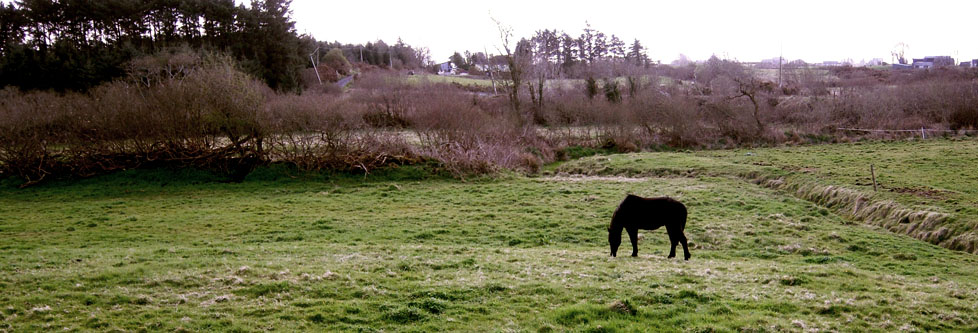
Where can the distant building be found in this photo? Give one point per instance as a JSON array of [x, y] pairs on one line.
[[831, 63], [932, 62], [875, 62], [770, 63], [446, 68], [495, 67], [970, 64], [901, 66]]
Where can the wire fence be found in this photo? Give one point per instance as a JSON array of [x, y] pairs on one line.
[[923, 131]]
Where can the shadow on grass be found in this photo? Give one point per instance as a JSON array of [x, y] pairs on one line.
[[155, 180]]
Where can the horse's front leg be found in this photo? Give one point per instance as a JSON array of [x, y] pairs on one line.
[[633, 236]]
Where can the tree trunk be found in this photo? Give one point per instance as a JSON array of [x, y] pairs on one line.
[[757, 115], [540, 91]]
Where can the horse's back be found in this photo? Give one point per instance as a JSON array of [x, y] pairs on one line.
[[651, 213]]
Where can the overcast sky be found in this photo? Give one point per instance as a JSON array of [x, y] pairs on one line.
[[815, 31]]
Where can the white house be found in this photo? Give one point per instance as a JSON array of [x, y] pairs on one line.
[[447, 68]]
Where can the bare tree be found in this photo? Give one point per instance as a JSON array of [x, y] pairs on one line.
[[545, 62], [751, 87], [515, 60], [898, 52], [423, 54]]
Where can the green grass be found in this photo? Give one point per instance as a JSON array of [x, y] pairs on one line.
[[932, 175], [771, 74], [463, 80], [163, 250], [554, 84]]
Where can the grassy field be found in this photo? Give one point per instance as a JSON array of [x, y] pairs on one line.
[[771, 74], [463, 80], [938, 176], [566, 84], [168, 250]]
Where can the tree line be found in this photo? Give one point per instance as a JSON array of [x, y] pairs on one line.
[[553, 54], [592, 53], [78, 44], [400, 55]]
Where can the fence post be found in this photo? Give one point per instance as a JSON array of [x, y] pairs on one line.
[[872, 171], [922, 135]]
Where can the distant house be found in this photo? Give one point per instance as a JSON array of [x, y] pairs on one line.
[[970, 64], [770, 63], [932, 62], [495, 67], [875, 62], [496, 64], [447, 68]]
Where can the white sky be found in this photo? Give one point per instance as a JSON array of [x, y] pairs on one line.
[[815, 31]]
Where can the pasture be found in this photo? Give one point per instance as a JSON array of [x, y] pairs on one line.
[[463, 80], [564, 84], [404, 250]]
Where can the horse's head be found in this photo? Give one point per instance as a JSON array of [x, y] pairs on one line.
[[614, 239]]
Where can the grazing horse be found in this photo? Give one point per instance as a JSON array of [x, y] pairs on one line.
[[636, 212]]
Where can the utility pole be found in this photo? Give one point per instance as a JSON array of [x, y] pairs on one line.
[[489, 67], [361, 53], [314, 67], [780, 66]]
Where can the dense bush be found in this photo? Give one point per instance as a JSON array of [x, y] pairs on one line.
[[186, 110], [206, 117]]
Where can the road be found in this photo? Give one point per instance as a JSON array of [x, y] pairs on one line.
[[344, 81]]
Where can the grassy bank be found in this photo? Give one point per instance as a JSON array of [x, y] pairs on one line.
[[163, 250], [934, 176]]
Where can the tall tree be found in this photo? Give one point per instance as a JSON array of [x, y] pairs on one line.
[[459, 61], [76, 44], [616, 47], [273, 43], [568, 52], [517, 61], [637, 55]]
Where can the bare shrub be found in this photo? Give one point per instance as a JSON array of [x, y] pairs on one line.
[[324, 132], [670, 120], [28, 129], [469, 139], [385, 99], [312, 131], [207, 117], [188, 110]]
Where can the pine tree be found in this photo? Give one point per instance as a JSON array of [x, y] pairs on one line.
[[637, 55]]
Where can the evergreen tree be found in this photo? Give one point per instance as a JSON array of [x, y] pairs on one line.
[[74, 45], [459, 61], [636, 54]]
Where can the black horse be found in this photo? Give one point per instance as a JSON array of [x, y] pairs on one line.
[[636, 212]]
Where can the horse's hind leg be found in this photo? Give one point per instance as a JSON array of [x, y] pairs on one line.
[[633, 236], [674, 239], [672, 250], [682, 239]]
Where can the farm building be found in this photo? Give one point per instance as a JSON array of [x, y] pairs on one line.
[[931, 62], [874, 62], [446, 68]]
